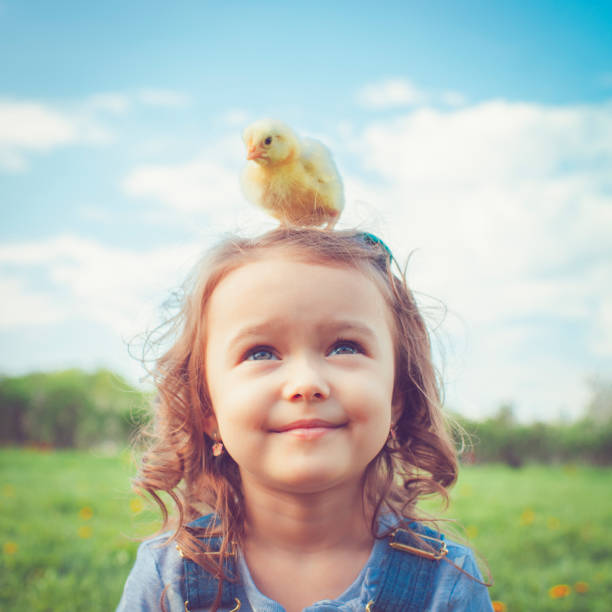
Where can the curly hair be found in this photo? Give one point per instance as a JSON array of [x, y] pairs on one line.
[[419, 460]]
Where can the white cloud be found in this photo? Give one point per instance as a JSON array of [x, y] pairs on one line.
[[453, 98], [27, 127], [390, 93], [396, 93], [30, 125], [510, 210], [196, 186], [601, 333], [86, 280], [112, 102], [12, 161], [21, 305], [202, 194]]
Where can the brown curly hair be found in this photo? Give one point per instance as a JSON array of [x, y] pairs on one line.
[[420, 459]]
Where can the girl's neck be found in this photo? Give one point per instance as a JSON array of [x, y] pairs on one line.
[[306, 523]]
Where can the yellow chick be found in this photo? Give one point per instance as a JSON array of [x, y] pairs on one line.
[[295, 180]]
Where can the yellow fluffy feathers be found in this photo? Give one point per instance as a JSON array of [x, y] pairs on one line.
[[295, 180]]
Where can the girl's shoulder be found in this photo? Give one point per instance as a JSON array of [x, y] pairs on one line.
[[157, 573], [456, 581], [459, 583]]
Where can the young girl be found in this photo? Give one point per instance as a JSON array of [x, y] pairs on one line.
[[298, 423]]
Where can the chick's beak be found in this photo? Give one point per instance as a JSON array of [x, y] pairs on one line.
[[254, 152]]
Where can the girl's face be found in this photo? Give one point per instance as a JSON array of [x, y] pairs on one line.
[[300, 371]]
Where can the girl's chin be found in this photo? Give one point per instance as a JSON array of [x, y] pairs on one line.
[[313, 480]]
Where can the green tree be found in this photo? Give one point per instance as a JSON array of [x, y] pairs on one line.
[[69, 409]]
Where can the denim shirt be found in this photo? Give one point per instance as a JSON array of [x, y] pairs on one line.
[[160, 567]]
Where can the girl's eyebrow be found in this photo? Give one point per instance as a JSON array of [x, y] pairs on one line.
[[251, 331], [337, 327], [357, 327]]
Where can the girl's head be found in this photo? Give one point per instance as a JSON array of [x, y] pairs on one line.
[[299, 367], [308, 357]]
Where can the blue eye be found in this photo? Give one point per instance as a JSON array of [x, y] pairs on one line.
[[345, 347], [259, 354]]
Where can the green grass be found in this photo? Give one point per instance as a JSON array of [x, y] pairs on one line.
[[68, 529], [538, 527], [71, 517]]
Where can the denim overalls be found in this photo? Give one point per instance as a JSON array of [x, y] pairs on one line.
[[406, 585]]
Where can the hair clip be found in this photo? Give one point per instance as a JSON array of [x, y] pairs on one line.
[[374, 240]]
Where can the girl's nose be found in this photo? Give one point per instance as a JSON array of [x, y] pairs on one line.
[[305, 382]]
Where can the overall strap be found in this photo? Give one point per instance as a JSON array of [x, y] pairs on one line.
[[201, 586], [409, 569]]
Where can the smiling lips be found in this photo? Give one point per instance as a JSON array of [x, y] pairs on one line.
[[308, 429]]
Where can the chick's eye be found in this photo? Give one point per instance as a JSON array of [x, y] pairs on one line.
[[345, 347], [268, 140], [259, 354]]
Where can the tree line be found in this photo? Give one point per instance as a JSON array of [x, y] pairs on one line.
[[502, 439], [69, 409], [77, 409]]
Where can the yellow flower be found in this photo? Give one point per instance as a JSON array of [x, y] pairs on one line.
[[499, 606], [8, 490], [86, 513], [10, 548], [136, 505], [471, 531], [527, 517], [581, 587], [559, 591], [85, 532]]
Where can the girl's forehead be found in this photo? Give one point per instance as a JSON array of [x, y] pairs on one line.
[[296, 300], [282, 281], [289, 264]]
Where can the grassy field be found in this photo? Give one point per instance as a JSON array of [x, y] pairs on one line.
[[69, 523]]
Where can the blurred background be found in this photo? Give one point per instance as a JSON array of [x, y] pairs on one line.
[[475, 138]]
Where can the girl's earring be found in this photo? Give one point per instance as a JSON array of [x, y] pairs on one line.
[[217, 448], [392, 434]]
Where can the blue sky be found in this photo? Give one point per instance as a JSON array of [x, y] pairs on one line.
[[476, 134]]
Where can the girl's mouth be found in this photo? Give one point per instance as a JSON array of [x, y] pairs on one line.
[[308, 429]]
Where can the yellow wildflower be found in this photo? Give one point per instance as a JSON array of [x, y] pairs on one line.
[[86, 513], [581, 587], [559, 591]]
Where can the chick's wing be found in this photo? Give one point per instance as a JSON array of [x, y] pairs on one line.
[[318, 161]]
